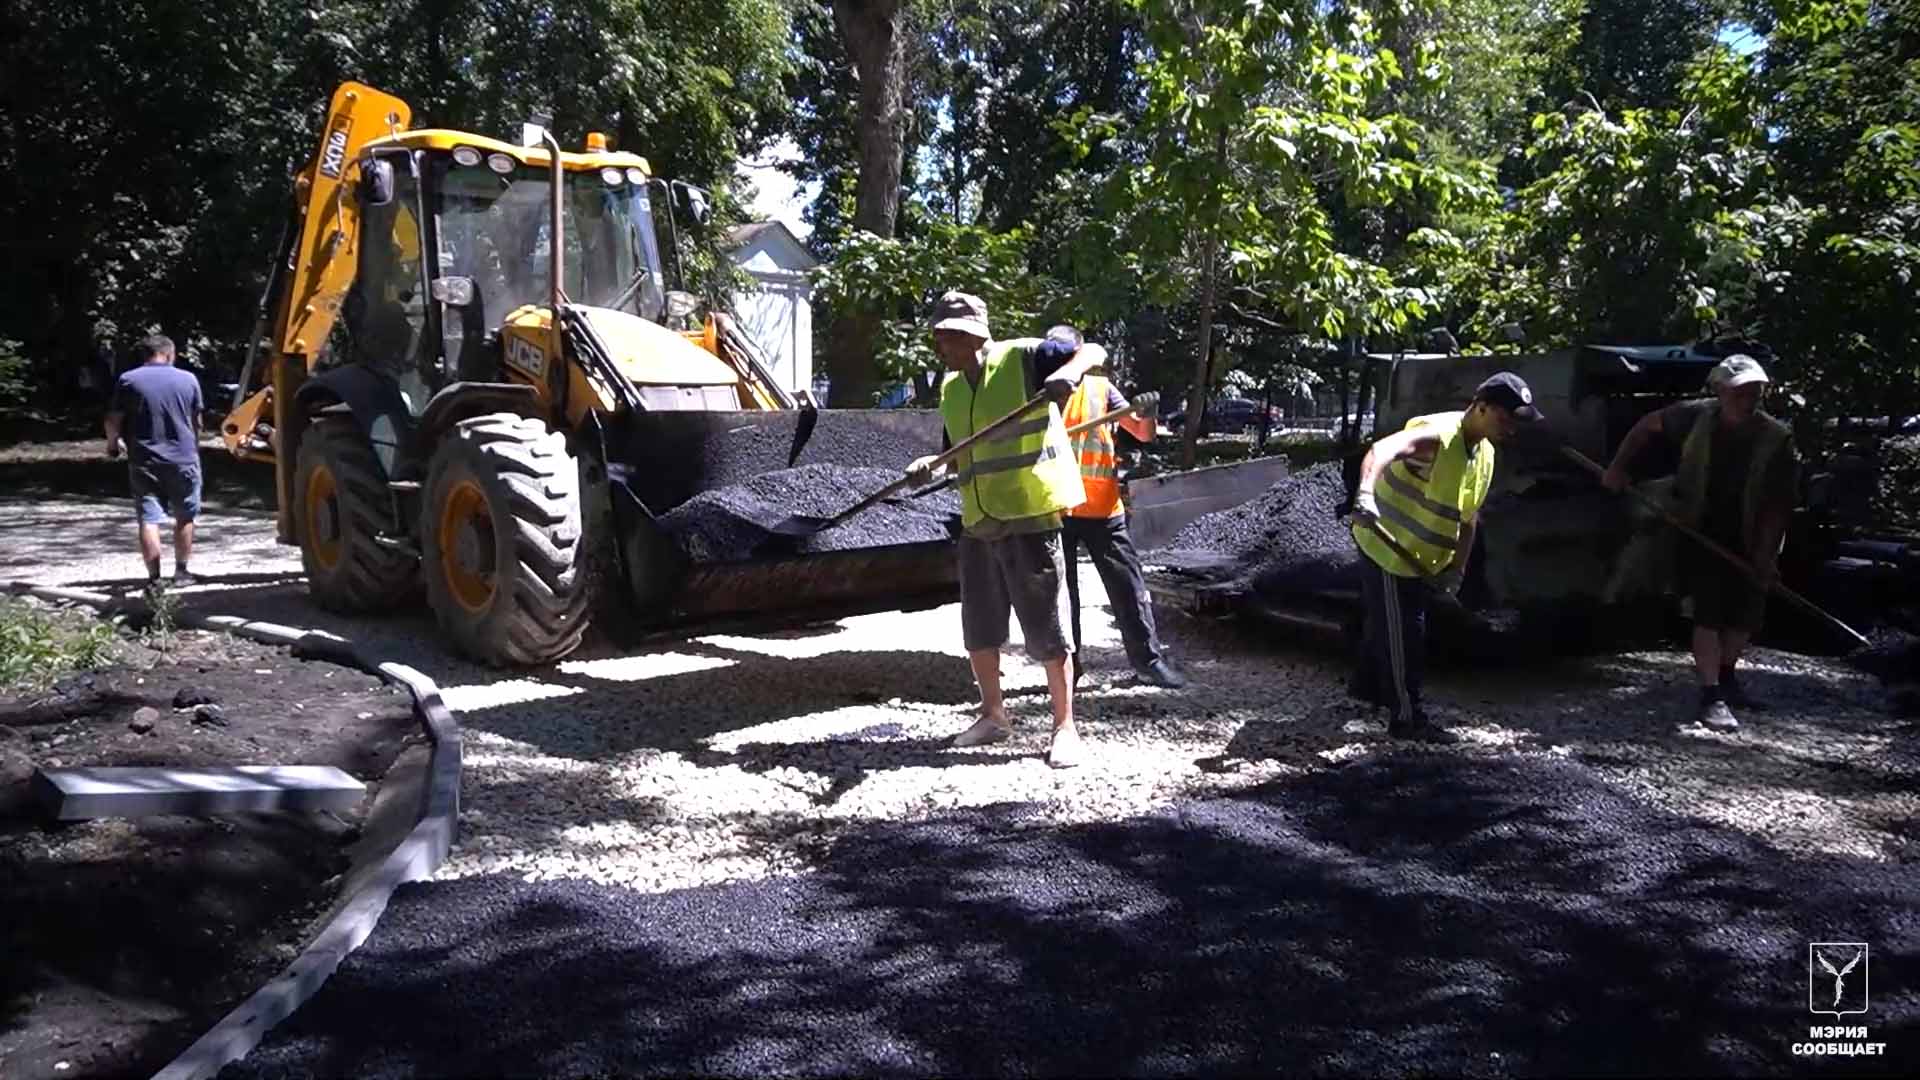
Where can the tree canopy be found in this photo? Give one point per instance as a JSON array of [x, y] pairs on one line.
[[1222, 190]]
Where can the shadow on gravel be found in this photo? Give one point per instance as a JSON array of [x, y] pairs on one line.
[[1408, 913]]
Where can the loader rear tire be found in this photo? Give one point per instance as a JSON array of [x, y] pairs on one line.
[[500, 537], [340, 503]]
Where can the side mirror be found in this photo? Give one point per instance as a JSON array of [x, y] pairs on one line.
[[376, 180], [698, 207], [681, 304], [452, 291]]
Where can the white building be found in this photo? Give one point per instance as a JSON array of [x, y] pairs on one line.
[[779, 313]]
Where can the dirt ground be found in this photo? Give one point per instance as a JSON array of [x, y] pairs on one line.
[[126, 939], [80, 466]]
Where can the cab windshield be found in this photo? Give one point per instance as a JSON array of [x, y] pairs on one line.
[[493, 228]]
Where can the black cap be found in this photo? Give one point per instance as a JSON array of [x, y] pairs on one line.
[[1509, 391]]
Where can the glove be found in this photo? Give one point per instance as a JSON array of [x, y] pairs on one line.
[[1449, 580], [1147, 404], [1366, 512], [1058, 390], [920, 473]]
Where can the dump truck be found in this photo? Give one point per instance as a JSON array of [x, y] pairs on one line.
[[466, 375]]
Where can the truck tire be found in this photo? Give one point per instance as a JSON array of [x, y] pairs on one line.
[[501, 541], [340, 503]]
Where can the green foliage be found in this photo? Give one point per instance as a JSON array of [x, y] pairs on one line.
[[897, 281], [38, 646], [147, 146], [16, 388]]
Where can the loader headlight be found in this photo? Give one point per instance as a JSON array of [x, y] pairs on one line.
[[636, 176], [466, 156], [500, 163], [612, 176]]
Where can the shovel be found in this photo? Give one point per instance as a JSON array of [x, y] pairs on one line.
[[803, 525], [1710, 544], [1136, 407], [1446, 598]]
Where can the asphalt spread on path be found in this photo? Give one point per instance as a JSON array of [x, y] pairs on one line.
[[1409, 912]]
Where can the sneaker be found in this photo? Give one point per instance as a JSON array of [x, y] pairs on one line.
[[1423, 730], [154, 587], [1715, 714], [1161, 673], [985, 730], [1066, 750], [184, 580]]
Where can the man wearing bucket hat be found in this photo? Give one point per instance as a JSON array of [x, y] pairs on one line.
[[1735, 483], [1012, 491], [1414, 517]]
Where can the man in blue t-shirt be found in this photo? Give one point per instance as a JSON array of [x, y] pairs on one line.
[[156, 410]]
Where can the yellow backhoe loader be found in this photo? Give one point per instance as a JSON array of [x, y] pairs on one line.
[[464, 377]]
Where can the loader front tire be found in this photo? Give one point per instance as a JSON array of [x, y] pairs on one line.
[[501, 543], [340, 503]]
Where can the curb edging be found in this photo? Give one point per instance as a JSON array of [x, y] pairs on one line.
[[416, 857]]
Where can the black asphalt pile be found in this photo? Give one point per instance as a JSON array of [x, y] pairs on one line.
[[1285, 541], [866, 438], [1407, 914], [732, 524]]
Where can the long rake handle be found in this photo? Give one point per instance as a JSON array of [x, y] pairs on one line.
[[1717, 548], [1085, 425], [953, 452]]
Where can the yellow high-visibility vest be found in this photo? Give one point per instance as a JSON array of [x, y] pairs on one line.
[[1026, 471], [1422, 505]]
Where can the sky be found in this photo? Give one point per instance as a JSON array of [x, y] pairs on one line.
[[777, 196]]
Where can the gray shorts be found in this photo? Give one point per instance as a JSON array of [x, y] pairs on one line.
[[1025, 573], [161, 488]]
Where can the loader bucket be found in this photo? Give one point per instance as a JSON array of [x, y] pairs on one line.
[[663, 459]]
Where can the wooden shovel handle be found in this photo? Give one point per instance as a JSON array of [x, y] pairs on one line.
[[1717, 548]]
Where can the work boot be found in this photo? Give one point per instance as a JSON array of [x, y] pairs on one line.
[[1066, 750], [1421, 729], [986, 730], [1713, 711], [1157, 672]]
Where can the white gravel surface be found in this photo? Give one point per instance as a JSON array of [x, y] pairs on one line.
[[716, 757]]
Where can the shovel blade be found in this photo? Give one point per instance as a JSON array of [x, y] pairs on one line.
[[799, 525]]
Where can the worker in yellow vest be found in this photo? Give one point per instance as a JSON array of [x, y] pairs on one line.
[[1736, 482], [1100, 523], [1414, 520], [1012, 491]]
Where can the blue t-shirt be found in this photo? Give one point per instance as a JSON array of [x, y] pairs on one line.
[[160, 403]]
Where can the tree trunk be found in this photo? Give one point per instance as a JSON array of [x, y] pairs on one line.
[[872, 32], [1203, 365], [1210, 282]]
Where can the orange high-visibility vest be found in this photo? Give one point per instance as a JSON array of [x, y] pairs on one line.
[[1099, 469]]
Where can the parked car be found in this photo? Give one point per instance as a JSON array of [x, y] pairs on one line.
[[1228, 416]]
